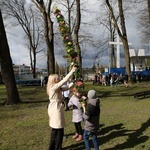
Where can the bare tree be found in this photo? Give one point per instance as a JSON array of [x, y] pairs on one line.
[[106, 21], [69, 5], [148, 4], [28, 19], [144, 22], [7, 68], [76, 32], [45, 9], [122, 33], [112, 48]]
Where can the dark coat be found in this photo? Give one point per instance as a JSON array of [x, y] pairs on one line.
[[92, 115]]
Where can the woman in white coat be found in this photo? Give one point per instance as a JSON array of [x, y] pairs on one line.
[[56, 108]]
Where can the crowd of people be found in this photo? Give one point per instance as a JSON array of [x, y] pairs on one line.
[[110, 79], [89, 112]]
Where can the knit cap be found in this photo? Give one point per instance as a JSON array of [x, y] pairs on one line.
[[91, 94]]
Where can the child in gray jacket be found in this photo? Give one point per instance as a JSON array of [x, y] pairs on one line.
[[91, 117]]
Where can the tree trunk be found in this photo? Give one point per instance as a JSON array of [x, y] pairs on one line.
[[124, 40], [34, 64], [76, 32], [49, 38], [51, 47], [148, 4], [6, 68], [122, 34], [48, 31], [112, 50]]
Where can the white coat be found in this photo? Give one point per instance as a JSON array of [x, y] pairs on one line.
[[56, 107]]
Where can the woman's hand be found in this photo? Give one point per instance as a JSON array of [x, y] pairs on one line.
[[74, 68]]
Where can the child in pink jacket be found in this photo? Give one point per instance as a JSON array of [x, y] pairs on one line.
[[76, 115]]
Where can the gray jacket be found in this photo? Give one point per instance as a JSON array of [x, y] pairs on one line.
[[92, 115]]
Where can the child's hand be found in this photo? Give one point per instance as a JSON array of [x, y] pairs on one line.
[[83, 104], [77, 94], [84, 98]]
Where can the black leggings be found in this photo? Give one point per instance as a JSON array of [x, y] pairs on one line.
[[78, 128], [56, 139]]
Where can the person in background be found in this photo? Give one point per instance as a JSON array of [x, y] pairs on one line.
[[42, 79], [95, 77], [111, 81], [76, 115], [126, 80], [66, 94], [56, 108], [91, 117], [104, 80], [45, 80]]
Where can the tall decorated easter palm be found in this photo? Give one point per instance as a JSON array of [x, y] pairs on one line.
[[71, 55]]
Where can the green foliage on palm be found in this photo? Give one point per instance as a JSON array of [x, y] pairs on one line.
[[71, 54]]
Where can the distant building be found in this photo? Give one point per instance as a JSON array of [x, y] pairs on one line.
[[41, 70], [138, 61], [18, 70], [21, 70]]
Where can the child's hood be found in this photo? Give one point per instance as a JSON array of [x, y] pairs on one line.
[[94, 102], [92, 98]]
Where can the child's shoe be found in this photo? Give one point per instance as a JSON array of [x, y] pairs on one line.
[[80, 138], [75, 136]]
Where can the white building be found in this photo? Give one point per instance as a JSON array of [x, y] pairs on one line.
[[138, 61], [21, 69]]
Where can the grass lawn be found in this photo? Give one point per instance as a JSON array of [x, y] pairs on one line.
[[124, 122]]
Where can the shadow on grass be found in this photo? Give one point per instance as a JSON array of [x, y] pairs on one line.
[[27, 102], [142, 97], [79, 146], [37, 101], [135, 137], [114, 92]]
